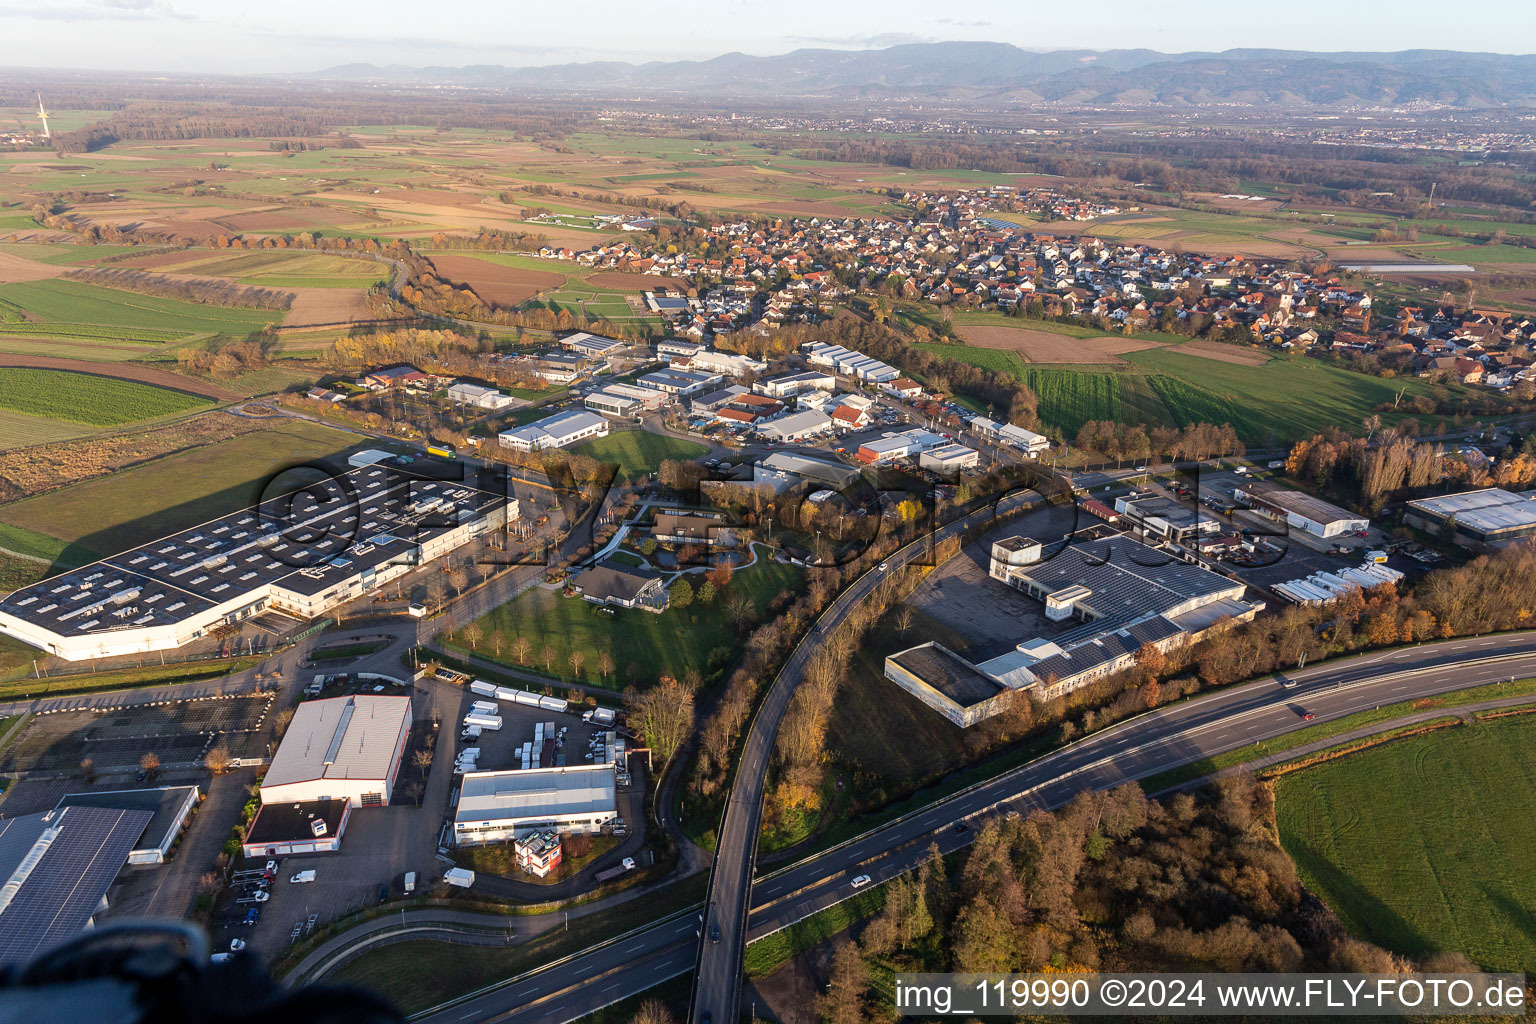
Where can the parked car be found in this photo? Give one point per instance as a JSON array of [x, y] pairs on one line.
[[383, 892]]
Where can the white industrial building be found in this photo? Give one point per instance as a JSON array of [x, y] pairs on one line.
[[368, 457], [849, 363], [1026, 441], [795, 382], [895, 446], [730, 364], [624, 400], [500, 806], [1301, 511], [676, 348], [948, 459], [797, 426], [1327, 587], [681, 383], [480, 397], [593, 346], [344, 747], [1126, 596], [558, 431], [1491, 517], [302, 553]]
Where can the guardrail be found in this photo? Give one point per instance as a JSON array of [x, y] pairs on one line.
[[875, 831], [561, 961]]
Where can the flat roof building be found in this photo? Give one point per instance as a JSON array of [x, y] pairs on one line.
[[949, 459], [680, 383], [307, 826], [170, 807], [499, 806], [561, 430], [302, 553], [480, 396], [1300, 510], [1127, 596], [899, 445], [342, 747], [687, 527], [948, 683], [730, 364], [1491, 517], [1165, 518], [795, 382]]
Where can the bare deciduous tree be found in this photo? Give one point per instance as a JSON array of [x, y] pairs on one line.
[[217, 759]]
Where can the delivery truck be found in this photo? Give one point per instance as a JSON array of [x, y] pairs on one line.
[[600, 716], [461, 877], [491, 723]]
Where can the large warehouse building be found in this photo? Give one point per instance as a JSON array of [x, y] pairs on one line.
[[301, 553], [1491, 517], [57, 867], [1126, 595], [344, 747], [499, 806], [561, 430], [1301, 511]]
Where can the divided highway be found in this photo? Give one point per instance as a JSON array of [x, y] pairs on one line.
[[1137, 748]]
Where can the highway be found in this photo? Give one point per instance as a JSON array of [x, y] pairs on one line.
[[1139, 747]]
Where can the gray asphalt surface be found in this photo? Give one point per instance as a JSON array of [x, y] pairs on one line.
[[1146, 745]]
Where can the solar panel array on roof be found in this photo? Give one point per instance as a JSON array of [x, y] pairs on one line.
[[1128, 580], [55, 869], [304, 541]]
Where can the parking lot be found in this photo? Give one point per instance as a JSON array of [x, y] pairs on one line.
[[177, 732], [379, 846], [993, 617], [500, 749]]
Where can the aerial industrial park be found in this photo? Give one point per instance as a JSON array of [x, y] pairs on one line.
[[762, 538]]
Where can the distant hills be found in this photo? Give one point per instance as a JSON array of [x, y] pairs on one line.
[[1003, 74]]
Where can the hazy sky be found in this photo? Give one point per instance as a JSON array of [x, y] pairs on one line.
[[305, 35]]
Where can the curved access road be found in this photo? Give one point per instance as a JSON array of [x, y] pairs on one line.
[[717, 983], [1137, 748]]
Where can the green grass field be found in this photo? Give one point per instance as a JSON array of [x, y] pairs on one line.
[[82, 398], [643, 645], [118, 511], [83, 310], [639, 452], [1281, 400], [1425, 844]]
